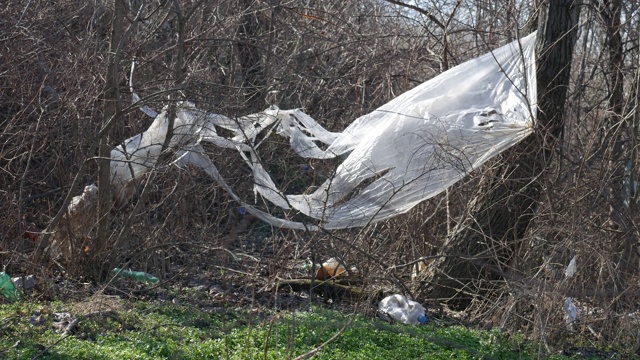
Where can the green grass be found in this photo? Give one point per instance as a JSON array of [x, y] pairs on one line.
[[168, 331]]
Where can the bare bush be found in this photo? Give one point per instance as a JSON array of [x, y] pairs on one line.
[[338, 60]]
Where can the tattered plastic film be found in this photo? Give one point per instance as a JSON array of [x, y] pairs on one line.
[[405, 152]]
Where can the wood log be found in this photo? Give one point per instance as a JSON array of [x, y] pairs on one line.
[[351, 289]]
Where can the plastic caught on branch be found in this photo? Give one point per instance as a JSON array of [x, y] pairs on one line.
[[408, 150], [570, 313], [571, 269], [74, 230], [630, 184]]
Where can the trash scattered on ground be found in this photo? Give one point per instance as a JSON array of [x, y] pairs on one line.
[[24, 282], [8, 289], [37, 319], [331, 269], [64, 323], [137, 275], [398, 308]]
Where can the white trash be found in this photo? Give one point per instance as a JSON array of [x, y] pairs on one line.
[[399, 308], [29, 282], [473, 112], [570, 313], [571, 269]]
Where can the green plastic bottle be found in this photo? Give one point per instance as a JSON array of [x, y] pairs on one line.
[[138, 275], [7, 289]]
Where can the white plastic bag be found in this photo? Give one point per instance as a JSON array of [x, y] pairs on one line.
[[399, 308], [570, 313], [571, 269]]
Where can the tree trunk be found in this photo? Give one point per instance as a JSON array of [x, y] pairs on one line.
[[479, 251], [253, 79], [616, 140], [112, 107]]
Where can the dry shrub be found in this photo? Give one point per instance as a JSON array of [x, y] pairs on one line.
[[337, 60]]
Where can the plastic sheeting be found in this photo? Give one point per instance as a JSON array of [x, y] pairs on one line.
[[406, 151]]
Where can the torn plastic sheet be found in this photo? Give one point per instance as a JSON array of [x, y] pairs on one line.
[[406, 151], [571, 268]]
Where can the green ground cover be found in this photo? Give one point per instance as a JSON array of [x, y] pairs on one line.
[[148, 330]]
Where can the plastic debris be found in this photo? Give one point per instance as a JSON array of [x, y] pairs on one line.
[[137, 275], [417, 268], [629, 191], [8, 289], [398, 308], [571, 269], [408, 150], [64, 322], [570, 313], [76, 225], [331, 269], [81, 202], [307, 265], [24, 282], [37, 319], [30, 231]]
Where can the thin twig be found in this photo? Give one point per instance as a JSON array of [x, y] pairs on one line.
[[420, 10]]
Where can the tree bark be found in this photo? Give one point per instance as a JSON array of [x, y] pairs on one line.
[[112, 107], [481, 248], [250, 57], [616, 139]]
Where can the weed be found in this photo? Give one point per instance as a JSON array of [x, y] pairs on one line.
[[171, 331]]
